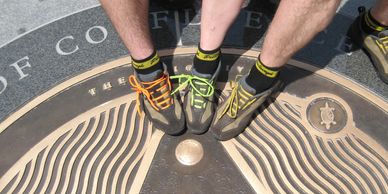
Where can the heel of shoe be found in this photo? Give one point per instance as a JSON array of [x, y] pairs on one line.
[[354, 37], [354, 33]]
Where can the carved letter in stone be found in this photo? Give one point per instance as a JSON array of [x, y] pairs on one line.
[[102, 29], [60, 51], [155, 19], [19, 69], [3, 81], [254, 20]]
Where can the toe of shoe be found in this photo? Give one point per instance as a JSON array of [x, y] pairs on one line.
[[197, 129], [384, 77], [222, 135], [197, 122], [171, 123], [198, 125], [176, 126], [223, 132]]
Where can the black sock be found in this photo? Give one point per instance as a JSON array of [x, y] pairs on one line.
[[206, 62], [262, 77], [370, 25], [148, 65]]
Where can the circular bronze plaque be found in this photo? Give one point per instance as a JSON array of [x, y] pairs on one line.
[[189, 152], [326, 115]]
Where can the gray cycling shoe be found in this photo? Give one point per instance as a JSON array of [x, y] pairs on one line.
[[376, 47], [154, 97], [199, 105], [234, 115]]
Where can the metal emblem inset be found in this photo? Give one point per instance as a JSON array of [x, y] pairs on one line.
[[326, 115], [189, 152]]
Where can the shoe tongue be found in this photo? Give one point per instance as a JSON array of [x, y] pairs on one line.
[[201, 75], [150, 76], [383, 34], [247, 87]]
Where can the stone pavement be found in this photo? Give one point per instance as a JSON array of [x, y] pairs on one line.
[[22, 16]]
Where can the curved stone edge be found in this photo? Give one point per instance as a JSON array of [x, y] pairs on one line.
[[370, 96], [47, 23]]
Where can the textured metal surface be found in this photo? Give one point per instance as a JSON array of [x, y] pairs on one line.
[[96, 155], [288, 154]]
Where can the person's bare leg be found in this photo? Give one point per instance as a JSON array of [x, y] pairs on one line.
[[380, 11], [130, 18], [295, 23], [216, 18]]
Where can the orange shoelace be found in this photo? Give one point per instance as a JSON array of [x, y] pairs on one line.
[[163, 99]]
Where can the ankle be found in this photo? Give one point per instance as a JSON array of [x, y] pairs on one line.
[[380, 15], [147, 65], [262, 77], [371, 25], [270, 60], [206, 61], [142, 53]]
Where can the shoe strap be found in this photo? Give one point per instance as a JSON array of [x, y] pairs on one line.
[[157, 92]]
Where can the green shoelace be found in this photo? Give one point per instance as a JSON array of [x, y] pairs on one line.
[[197, 94]]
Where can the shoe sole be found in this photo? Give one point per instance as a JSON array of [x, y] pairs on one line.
[[375, 63], [226, 136], [180, 131], [195, 132]]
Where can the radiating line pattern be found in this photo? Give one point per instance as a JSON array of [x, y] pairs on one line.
[[287, 158], [99, 154]]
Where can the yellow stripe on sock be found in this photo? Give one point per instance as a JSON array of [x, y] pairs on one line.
[[373, 25], [265, 71], [146, 64], [207, 57]]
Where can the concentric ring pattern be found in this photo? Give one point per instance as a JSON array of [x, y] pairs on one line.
[[98, 152], [286, 156]]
